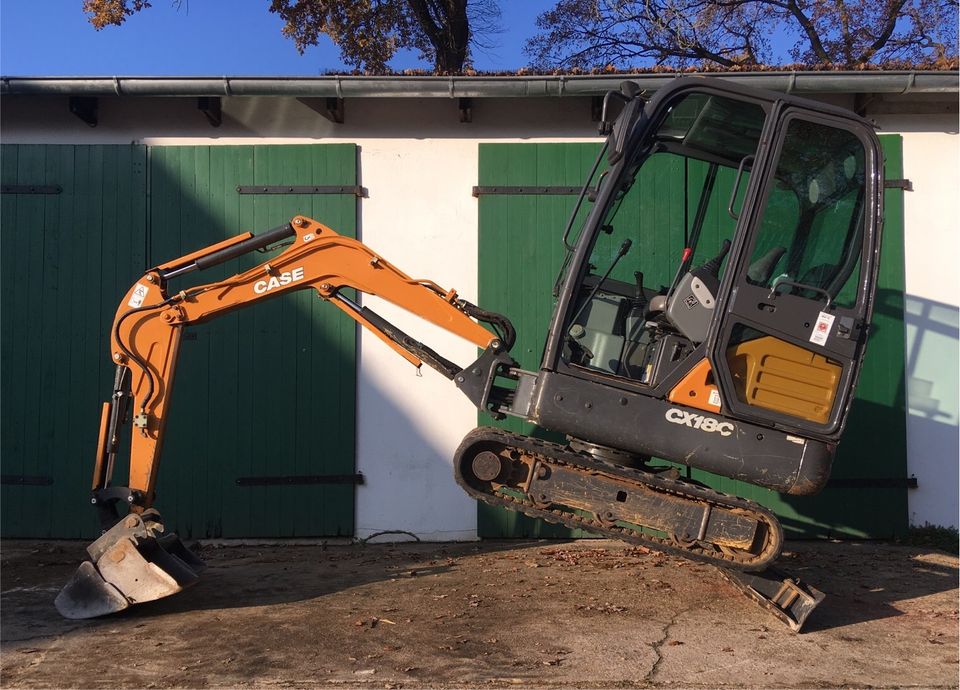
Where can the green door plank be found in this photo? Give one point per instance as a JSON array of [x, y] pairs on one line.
[[520, 253]]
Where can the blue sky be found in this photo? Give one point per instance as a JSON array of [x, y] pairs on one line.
[[205, 37]]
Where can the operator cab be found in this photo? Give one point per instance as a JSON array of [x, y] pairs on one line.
[[686, 257]]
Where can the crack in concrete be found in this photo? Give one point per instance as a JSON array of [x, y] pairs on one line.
[[658, 644]]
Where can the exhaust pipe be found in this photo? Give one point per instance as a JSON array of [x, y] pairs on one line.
[[133, 562]]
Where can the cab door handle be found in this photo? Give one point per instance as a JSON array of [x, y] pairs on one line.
[[783, 280]]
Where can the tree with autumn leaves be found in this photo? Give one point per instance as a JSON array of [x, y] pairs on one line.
[[587, 34], [367, 32]]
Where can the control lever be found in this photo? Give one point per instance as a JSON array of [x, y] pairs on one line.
[[712, 267], [638, 277]]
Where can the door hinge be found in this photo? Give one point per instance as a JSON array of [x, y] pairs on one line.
[[904, 184], [25, 480], [31, 189], [356, 190], [533, 190], [873, 483]]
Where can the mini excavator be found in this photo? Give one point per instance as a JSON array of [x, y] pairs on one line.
[[729, 341]]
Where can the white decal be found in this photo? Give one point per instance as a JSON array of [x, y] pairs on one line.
[[821, 329], [262, 286], [714, 399], [139, 294], [699, 422]]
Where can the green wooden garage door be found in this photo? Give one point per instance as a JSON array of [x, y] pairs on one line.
[[262, 395], [66, 258], [520, 254]]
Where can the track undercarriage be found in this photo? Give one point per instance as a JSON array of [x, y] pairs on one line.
[[651, 508], [647, 506]]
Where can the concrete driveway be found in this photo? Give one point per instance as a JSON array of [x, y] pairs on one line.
[[591, 614]]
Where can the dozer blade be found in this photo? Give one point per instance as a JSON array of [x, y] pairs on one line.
[[131, 563], [786, 597]]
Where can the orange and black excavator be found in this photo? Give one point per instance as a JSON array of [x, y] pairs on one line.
[[739, 357]]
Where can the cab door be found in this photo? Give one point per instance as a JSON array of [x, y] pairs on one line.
[[791, 340]]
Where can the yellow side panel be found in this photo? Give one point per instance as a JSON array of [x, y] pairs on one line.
[[776, 375]]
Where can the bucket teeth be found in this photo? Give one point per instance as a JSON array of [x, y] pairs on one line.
[[131, 563]]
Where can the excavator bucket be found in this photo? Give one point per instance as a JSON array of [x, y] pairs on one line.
[[131, 563]]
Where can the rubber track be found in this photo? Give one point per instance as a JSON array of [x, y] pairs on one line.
[[552, 453]]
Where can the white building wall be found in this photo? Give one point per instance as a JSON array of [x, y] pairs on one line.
[[418, 164], [931, 161]]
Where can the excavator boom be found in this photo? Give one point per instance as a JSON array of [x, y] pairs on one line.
[[135, 560]]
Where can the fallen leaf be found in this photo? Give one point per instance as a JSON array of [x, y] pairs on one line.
[[674, 643]]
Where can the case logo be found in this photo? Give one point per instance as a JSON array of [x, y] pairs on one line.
[[699, 422], [285, 278]]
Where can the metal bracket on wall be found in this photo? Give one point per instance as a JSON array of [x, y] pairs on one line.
[[211, 108], [31, 189], [905, 185], [356, 190], [86, 108], [525, 189], [331, 108], [596, 108], [304, 479], [465, 108]]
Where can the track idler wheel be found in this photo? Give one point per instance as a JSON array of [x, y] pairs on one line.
[[131, 563]]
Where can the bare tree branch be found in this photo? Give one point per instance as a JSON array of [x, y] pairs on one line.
[[733, 33]]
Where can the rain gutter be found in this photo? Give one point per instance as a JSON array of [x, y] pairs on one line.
[[898, 82]]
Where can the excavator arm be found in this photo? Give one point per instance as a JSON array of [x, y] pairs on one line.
[[145, 341]]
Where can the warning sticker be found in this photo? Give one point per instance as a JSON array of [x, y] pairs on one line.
[[139, 294], [714, 399], [821, 329]]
